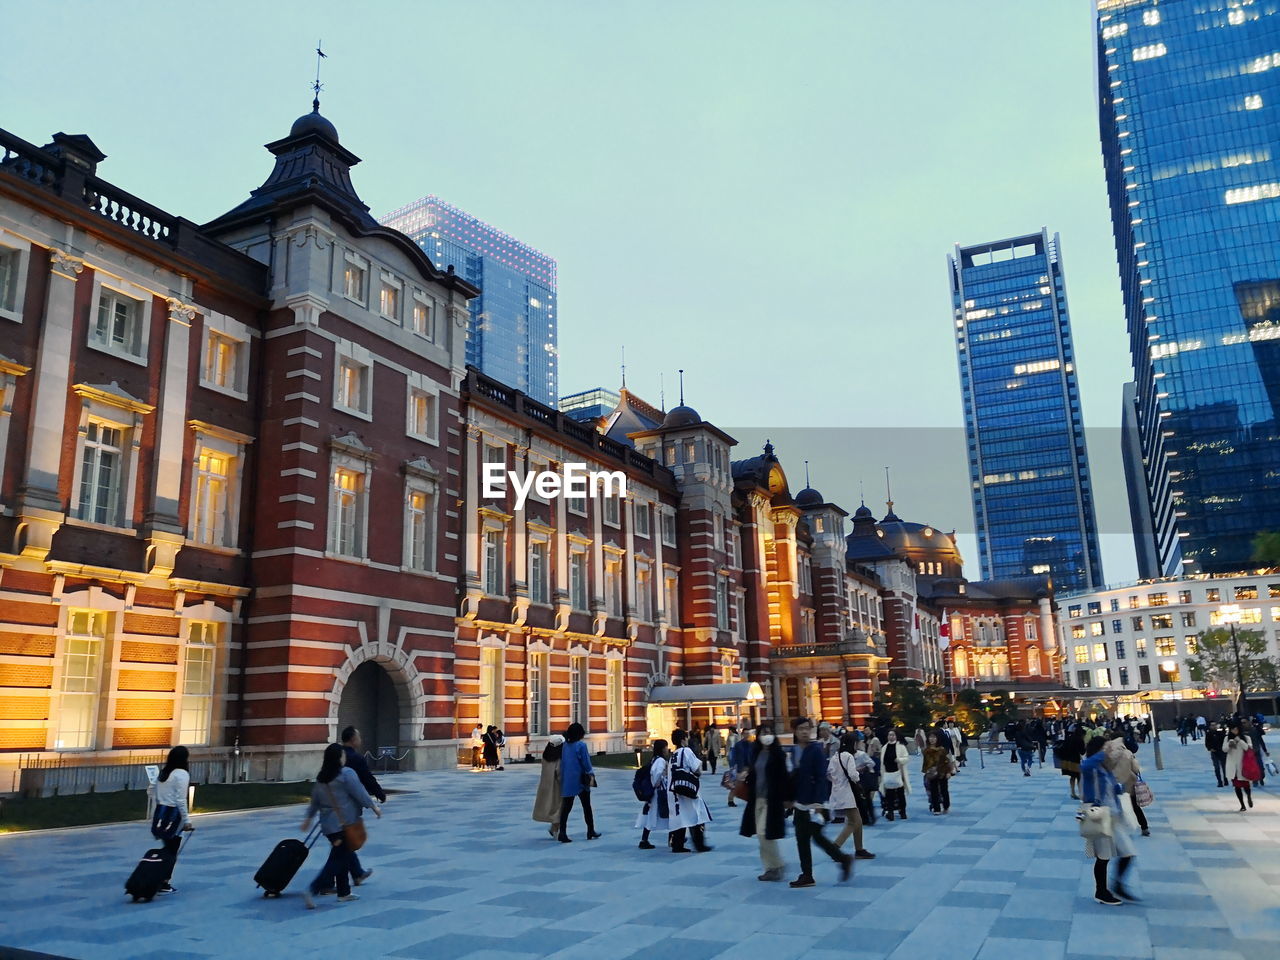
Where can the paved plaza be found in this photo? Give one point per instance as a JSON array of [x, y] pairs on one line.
[[462, 872]]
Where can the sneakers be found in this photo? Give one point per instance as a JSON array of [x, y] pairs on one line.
[[864, 854], [1108, 898], [308, 900], [804, 880], [846, 867], [646, 845], [167, 888], [348, 898], [772, 875], [363, 877]]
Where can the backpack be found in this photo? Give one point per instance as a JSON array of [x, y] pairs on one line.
[[642, 783]]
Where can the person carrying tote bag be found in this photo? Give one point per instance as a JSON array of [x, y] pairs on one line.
[[1102, 825], [894, 783], [689, 814]]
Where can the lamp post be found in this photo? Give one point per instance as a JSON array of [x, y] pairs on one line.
[[1169, 666], [1230, 614]]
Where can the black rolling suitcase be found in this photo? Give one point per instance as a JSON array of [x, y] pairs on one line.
[[283, 863], [150, 873]]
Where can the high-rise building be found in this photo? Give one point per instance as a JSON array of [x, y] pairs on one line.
[[1191, 144], [590, 404], [511, 333], [1028, 467]]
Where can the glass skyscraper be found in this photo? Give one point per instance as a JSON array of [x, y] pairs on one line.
[[1028, 466], [511, 335], [1188, 93]]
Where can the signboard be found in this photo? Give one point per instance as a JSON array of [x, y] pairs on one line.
[[153, 773]]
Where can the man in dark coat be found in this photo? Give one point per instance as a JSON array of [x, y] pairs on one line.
[[353, 747], [1215, 739], [810, 789]]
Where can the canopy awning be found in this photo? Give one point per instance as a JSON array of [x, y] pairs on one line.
[[707, 693]]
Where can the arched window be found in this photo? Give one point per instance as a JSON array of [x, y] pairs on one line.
[[1001, 665], [984, 633], [1033, 661], [961, 662]]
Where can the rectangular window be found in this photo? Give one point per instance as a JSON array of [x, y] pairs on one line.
[[495, 562], [81, 680], [389, 299], [1096, 628], [422, 320], [420, 530], [1121, 652], [10, 261], [1157, 599], [1133, 603], [118, 325], [1124, 676], [1137, 624], [422, 414], [1184, 596], [493, 684], [1073, 610], [1099, 652], [1166, 647], [1188, 618], [1192, 642], [1144, 674], [578, 580], [353, 279], [1104, 677], [1095, 607], [613, 587], [1140, 644], [539, 570], [668, 529], [615, 694], [1117, 626], [672, 591], [1161, 621], [722, 603], [642, 519], [740, 624], [576, 505], [1083, 679], [611, 511], [644, 593], [353, 386], [346, 513], [195, 726], [690, 451], [670, 457], [1115, 604], [1077, 631], [579, 691], [101, 464], [222, 360], [213, 485], [1212, 595], [1273, 590], [1246, 593], [539, 714]]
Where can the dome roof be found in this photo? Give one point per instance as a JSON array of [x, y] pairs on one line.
[[903, 534], [863, 512], [681, 416], [313, 122], [809, 497]]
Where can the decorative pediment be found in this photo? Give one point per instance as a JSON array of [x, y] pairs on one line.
[[352, 446], [113, 395], [421, 467]]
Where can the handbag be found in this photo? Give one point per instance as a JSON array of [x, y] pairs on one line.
[[892, 780], [354, 835], [727, 780], [739, 790], [1272, 768], [1249, 768], [1142, 793], [1095, 822], [166, 822], [684, 783]]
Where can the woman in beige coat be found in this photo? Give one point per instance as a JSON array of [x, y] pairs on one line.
[[546, 803], [1124, 767]]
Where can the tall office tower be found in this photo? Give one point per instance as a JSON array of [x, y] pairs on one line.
[[590, 404], [1028, 467], [511, 334], [1188, 97]]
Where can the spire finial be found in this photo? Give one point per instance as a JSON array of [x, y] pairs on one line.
[[768, 447], [862, 493], [317, 86], [624, 366], [682, 386], [888, 491], [662, 392], [806, 473]]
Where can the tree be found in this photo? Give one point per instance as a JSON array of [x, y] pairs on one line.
[[908, 704], [970, 712], [1214, 662], [1266, 548], [1001, 708]]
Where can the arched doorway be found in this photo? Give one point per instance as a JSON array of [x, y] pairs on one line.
[[371, 704]]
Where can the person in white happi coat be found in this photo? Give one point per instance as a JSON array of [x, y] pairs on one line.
[[687, 814]]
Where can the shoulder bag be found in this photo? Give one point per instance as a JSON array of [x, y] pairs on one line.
[[684, 783], [1095, 822], [1142, 793], [353, 834], [855, 788]]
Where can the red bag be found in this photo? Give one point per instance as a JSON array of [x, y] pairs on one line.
[[1249, 768]]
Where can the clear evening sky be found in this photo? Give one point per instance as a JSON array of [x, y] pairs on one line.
[[763, 193]]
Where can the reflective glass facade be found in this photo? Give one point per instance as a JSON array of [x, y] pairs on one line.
[[511, 335], [590, 404], [1188, 93], [1028, 466]]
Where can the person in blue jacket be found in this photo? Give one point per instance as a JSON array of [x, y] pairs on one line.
[[740, 760], [810, 788], [576, 780]]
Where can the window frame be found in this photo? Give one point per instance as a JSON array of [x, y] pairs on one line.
[[139, 317], [351, 356], [389, 282], [11, 245], [418, 385], [415, 486]]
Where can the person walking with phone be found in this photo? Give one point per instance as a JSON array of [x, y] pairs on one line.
[[1241, 764], [339, 798]]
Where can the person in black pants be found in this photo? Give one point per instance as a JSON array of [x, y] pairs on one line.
[[810, 789], [353, 749], [1215, 740]]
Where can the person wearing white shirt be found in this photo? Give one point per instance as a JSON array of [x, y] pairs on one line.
[[171, 817]]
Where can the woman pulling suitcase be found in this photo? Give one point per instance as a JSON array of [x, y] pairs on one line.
[[340, 799], [169, 821]]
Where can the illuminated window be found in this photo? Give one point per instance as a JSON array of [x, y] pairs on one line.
[[1192, 642], [419, 529], [1038, 366], [1082, 653], [1235, 17], [352, 389], [1033, 661], [1151, 17], [346, 513], [354, 277], [1096, 629], [1166, 647], [1246, 593], [960, 659], [212, 493], [1188, 618], [614, 690], [495, 562], [1212, 595], [1140, 647], [672, 598], [1114, 30], [1104, 677], [1184, 596], [1149, 51], [422, 318], [389, 298], [222, 361], [493, 699], [1253, 101], [1099, 652], [1259, 191], [1161, 621], [1157, 599], [579, 690], [422, 414], [101, 464], [196, 718], [81, 679]]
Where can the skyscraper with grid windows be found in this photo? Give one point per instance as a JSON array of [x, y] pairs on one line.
[[1188, 97], [511, 332], [1033, 502]]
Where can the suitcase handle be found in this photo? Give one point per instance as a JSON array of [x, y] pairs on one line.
[[312, 835]]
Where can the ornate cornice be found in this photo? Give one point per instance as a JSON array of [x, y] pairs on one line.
[[181, 312], [64, 264]]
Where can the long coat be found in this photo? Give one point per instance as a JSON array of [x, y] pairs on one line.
[[778, 782], [903, 758], [574, 762], [546, 803], [1122, 764], [1235, 756], [685, 812]]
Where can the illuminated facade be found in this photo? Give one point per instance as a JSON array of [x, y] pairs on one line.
[[1191, 147], [511, 332], [1028, 466]]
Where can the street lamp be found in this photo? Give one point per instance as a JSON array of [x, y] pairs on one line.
[[1169, 666], [1230, 614]]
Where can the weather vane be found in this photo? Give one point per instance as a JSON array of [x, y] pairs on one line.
[[317, 86]]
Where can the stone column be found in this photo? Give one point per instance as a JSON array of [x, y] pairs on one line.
[[165, 529]]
